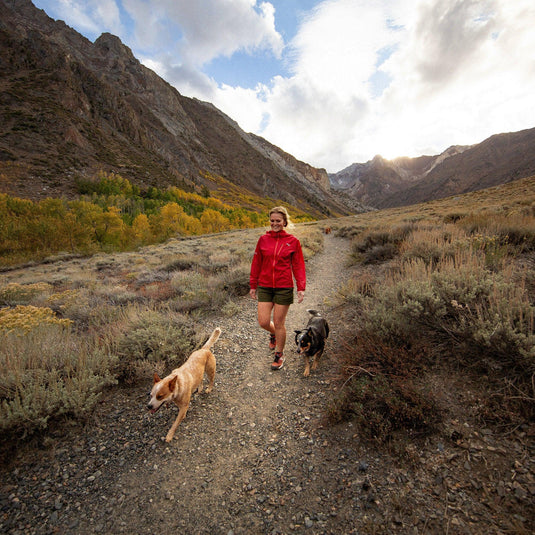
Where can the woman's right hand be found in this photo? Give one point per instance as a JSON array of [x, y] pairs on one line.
[[252, 293]]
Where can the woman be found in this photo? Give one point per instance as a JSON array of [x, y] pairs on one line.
[[278, 259]]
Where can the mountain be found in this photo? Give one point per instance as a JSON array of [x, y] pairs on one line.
[[70, 108], [460, 169]]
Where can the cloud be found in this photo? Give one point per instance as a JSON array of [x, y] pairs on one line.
[[447, 36], [453, 73], [453, 77], [91, 15], [187, 79], [202, 30], [315, 114]]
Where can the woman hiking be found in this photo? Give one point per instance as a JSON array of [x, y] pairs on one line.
[[277, 261]]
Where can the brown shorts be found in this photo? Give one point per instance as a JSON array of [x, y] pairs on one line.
[[279, 296]]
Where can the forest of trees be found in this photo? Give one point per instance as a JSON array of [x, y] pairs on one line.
[[111, 214]]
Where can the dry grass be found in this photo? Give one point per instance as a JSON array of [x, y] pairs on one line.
[[72, 326], [458, 290], [452, 283]]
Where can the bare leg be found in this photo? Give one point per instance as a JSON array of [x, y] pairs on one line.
[[264, 316], [279, 321]]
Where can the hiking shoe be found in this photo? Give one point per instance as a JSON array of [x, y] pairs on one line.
[[278, 361], [272, 341]]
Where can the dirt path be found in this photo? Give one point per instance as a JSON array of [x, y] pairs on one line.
[[244, 461]]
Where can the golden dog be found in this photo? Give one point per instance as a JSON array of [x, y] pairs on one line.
[[181, 383]]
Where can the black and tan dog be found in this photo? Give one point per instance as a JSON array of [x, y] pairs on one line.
[[181, 383], [311, 341]]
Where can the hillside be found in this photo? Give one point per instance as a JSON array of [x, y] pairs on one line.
[[385, 183], [70, 108]]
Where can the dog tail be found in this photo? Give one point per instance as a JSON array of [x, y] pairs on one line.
[[213, 338], [314, 313]]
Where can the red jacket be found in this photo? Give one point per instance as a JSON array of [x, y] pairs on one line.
[[277, 256]]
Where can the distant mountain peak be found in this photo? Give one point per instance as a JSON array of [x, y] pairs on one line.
[[111, 45], [459, 169]]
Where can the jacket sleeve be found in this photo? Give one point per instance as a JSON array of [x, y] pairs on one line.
[[256, 265], [298, 268]]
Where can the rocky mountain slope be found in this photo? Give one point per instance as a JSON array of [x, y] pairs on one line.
[[69, 108], [460, 169]]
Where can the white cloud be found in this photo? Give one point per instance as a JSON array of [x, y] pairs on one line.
[[458, 71], [444, 93], [315, 114], [186, 78], [91, 15], [249, 108], [205, 29]]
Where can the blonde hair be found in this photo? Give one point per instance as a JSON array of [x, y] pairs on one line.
[[284, 213]]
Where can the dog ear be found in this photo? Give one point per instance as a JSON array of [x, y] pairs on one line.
[[297, 332], [156, 378], [172, 383]]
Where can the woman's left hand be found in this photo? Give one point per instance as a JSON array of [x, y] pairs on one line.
[[300, 296]]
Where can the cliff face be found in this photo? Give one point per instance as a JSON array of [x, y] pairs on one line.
[[69, 108]]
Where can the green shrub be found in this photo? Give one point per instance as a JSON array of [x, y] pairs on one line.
[[194, 291], [182, 263], [465, 303], [379, 253], [235, 282], [349, 231], [453, 217], [375, 246], [380, 391], [154, 336], [230, 308], [311, 242], [48, 373], [22, 294]]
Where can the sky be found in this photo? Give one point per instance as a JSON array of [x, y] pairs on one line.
[[336, 82]]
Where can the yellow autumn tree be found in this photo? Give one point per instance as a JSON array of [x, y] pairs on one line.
[[170, 217], [190, 225], [141, 229], [213, 221]]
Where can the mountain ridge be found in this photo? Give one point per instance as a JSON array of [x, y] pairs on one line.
[[383, 183], [71, 108]]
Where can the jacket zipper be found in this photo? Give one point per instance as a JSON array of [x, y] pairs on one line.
[[275, 260]]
